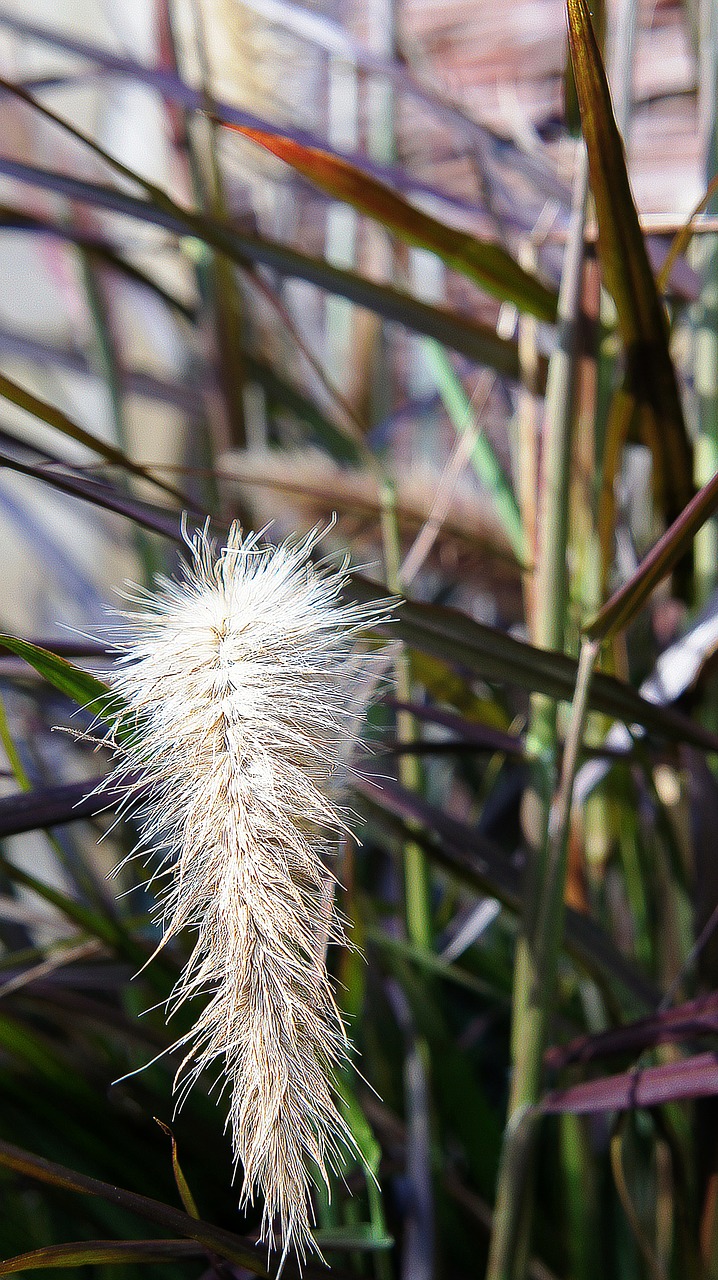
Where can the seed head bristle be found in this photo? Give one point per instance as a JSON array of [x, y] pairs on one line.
[[243, 686]]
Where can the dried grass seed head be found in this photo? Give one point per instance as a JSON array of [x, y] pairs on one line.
[[244, 687]]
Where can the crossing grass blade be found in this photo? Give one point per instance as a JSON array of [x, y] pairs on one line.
[[54, 417], [484, 651], [488, 265], [625, 603]]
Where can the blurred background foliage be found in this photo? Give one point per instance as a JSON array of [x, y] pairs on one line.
[[276, 262]]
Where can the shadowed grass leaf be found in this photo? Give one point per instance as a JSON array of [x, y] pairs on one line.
[[224, 1243], [692, 1019], [483, 651], [98, 1252], [49, 807], [484, 866]]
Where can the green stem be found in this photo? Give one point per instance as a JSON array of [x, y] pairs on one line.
[[11, 751], [512, 1214], [537, 947], [417, 890]]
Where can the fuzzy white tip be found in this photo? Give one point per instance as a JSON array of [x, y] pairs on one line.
[[244, 688]]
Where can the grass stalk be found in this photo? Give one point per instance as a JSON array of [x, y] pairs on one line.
[[537, 948], [512, 1214], [416, 870]]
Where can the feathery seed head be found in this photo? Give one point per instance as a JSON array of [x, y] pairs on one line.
[[243, 688]]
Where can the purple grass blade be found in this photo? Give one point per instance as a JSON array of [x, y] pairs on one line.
[[478, 341], [671, 1082], [470, 731], [50, 807], [472, 856], [686, 1021], [166, 523], [173, 89]]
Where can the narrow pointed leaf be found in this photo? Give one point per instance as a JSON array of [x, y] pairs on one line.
[[224, 1243], [623, 606], [50, 807], [483, 651], [83, 688], [87, 1253], [477, 341], [54, 417], [157, 519], [651, 1087], [181, 1183], [488, 265], [477, 861], [627, 271], [692, 1019]]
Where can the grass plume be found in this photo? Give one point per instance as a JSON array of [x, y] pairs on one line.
[[243, 688]]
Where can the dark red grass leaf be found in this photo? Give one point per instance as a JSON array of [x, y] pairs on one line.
[[50, 807], [695, 1077], [694, 1018], [217, 1240]]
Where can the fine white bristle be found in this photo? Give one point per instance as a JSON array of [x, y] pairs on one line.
[[244, 687]]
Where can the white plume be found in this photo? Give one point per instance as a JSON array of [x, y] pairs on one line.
[[244, 687]]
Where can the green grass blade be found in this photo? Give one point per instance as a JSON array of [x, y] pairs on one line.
[[80, 686]]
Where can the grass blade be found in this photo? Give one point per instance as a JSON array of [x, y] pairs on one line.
[[102, 495], [50, 807], [627, 271], [692, 1019], [695, 1077], [224, 1243], [483, 651], [86, 1253], [488, 265], [625, 603], [470, 338], [80, 686], [54, 417]]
